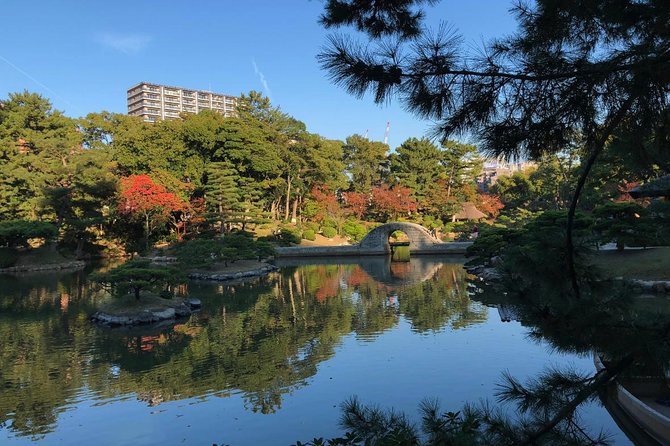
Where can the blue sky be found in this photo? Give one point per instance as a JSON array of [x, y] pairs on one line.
[[84, 55]]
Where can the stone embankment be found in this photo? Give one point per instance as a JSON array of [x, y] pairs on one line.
[[225, 276], [75, 264], [487, 274], [170, 311]]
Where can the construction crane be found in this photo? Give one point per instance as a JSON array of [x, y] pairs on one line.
[[386, 135]]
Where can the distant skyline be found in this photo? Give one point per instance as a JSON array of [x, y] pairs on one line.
[[83, 56]]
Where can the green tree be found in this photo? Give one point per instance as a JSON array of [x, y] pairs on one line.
[[516, 191], [222, 191], [365, 162], [15, 233], [625, 223], [86, 201], [37, 144], [137, 276], [462, 165], [415, 164]]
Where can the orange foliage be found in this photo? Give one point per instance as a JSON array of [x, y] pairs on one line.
[[624, 190], [327, 203], [356, 202], [489, 204], [392, 201]]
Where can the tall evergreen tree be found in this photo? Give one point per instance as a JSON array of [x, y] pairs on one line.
[[462, 165], [222, 192], [415, 164], [365, 161], [37, 144]]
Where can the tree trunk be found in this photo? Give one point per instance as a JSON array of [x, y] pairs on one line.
[[294, 211], [137, 292], [221, 219], [79, 251], [451, 177], [595, 147], [146, 229], [288, 196]]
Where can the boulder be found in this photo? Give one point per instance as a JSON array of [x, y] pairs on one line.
[[194, 303]]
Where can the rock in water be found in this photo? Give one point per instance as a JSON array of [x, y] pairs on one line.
[[194, 303]]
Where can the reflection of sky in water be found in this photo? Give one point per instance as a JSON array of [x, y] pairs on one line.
[[297, 344]]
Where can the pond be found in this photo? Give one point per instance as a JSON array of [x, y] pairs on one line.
[[264, 362]]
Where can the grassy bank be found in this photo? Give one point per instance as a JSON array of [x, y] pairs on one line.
[[646, 264]]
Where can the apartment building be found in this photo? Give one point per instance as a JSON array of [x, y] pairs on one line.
[[155, 102], [496, 168]]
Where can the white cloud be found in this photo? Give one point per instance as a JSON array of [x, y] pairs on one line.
[[261, 77], [125, 43]]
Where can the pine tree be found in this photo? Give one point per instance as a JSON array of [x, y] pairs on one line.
[[223, 192], [249, 209]]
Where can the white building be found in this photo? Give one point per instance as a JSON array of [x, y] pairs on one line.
[[155, 102]]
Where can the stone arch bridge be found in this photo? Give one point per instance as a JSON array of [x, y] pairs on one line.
[[376, 242], [419, 237]]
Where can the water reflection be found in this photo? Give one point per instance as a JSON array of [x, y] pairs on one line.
[[261, 339]]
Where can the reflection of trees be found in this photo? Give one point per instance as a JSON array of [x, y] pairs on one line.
[[440, 301], [264, 338], [42, 352], [431, 304], [630, 336]]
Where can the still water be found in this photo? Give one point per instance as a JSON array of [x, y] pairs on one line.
[[264, 362]]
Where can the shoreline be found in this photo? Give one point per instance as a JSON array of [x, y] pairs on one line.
[[46, 267], [244, 273]]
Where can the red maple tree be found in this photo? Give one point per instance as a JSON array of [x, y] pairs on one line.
[[356, 202], [328, 205], [141, 197], [393, 201], [489, 204]]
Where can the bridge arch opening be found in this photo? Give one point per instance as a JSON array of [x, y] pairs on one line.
[[399, 244], [398, 238]]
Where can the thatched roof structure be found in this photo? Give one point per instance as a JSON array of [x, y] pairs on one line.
[[469, 212], [660, 187]]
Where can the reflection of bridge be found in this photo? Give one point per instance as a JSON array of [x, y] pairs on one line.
[[377, 243], [420, 269]]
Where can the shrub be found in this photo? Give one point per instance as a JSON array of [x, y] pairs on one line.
[[354, 231], [329, 223], [288, 235], [311, 225], [264, 249], [233, 247], [17, 232], [328, 232], [308, 234], [625, 224], [198, 253], [490, 243]]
